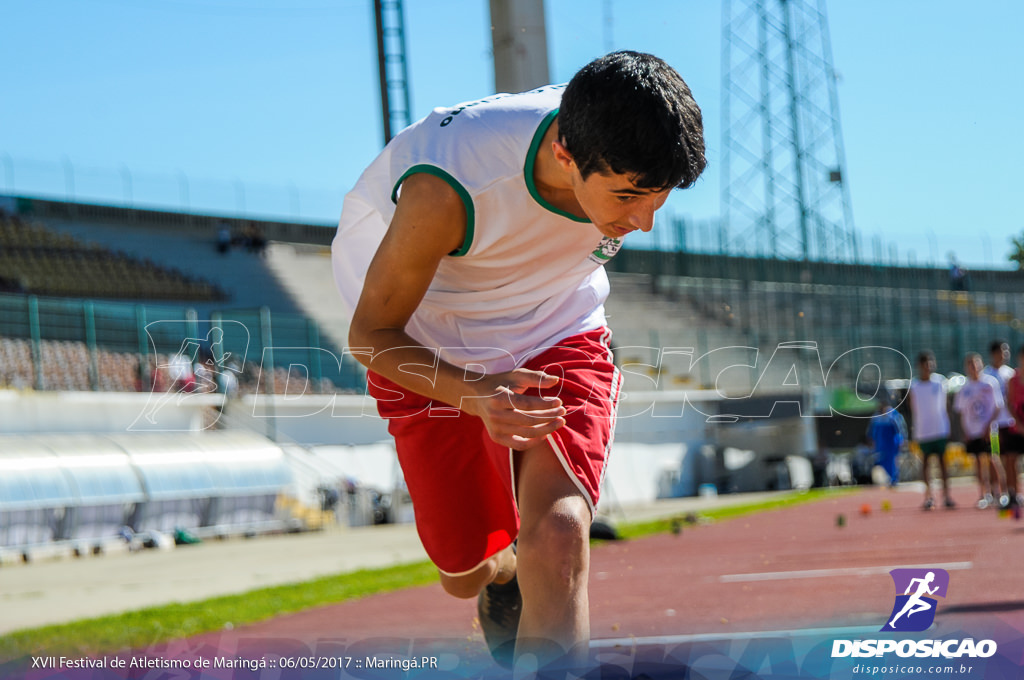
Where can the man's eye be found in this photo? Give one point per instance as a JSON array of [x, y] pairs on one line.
[[625, 198]]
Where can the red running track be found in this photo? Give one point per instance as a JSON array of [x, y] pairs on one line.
[[787, 569]]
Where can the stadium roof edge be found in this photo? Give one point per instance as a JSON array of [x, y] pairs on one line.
[[142, 218]]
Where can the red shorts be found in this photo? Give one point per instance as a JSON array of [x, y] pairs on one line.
[[461, 482]]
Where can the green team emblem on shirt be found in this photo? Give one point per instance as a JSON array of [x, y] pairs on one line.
[[606, 249]]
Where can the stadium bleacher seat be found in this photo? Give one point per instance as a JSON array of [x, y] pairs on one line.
[[39, 261]]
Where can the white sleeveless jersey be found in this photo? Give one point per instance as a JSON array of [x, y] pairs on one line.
[[527, 274]]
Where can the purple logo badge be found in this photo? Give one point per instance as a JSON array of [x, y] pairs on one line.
[[914, 609]]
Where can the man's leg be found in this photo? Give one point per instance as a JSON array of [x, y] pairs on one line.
[[945, 478], [984, 492], [1009, 447], [555, 505], [926, 473], [891, 468], [1010, 470], [554, 559], [997, 483], [498, 569]]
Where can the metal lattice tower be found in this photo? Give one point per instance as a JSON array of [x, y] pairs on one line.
[[784, 191], [392, 67]]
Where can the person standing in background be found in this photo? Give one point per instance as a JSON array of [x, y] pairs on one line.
[[999, 352], [978, 403], [1015, 406], [888, 434], [931, 423]]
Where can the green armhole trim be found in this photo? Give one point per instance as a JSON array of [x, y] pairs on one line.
[[531, 158], [467, 201]]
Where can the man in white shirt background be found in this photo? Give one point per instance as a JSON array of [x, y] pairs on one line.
[[931, 423], [978, 402], [999, 352]]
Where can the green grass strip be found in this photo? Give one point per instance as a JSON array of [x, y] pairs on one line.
[[679, 521], [154, 625]]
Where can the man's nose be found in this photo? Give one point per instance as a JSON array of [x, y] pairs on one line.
[[643, 217]]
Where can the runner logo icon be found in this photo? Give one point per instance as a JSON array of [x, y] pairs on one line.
[[914, 609]]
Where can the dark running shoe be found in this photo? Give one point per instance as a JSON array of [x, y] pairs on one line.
[[499, 608], [950, 505], [928, 503]]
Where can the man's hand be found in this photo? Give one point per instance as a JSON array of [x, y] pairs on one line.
[[512, 418]]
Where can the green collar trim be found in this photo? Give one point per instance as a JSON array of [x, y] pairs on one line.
[[531, 159]]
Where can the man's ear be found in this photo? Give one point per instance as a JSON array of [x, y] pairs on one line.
[[562, 155]]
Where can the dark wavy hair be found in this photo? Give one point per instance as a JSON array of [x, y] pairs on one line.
[[631, 113]]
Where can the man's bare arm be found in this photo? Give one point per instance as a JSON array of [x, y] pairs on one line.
[[429, 223]]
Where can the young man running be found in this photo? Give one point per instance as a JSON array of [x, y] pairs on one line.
[[471, 251]]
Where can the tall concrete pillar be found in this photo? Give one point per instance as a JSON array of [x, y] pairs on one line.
[[520, 44]]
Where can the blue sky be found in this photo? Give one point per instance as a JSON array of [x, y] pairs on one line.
[[271, 106]]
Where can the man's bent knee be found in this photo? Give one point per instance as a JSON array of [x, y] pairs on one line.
[[561, 537], [466, 586], [500, 567]]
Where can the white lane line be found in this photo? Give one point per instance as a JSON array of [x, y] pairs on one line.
[[705, 637], [848, 571]]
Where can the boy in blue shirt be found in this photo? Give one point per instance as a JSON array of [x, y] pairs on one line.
[[887, 433]]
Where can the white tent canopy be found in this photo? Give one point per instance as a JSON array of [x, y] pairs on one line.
[[42, 476]]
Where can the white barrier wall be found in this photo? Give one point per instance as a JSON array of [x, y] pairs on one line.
[[326, 419], [312, 420], [664, 441], [28, 412]]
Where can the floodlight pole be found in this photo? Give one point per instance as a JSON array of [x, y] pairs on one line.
[[378, 16], [392, 68]]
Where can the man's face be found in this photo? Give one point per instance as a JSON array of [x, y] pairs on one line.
[[926, 368], [615, 204], [973, 368], [1001, 356]]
